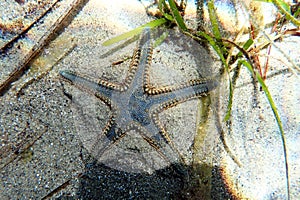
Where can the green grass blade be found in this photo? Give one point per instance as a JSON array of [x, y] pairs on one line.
[[297, 13], [161, 5], [281, 3], [215, 26], [213, 19], [134, 32], [229, 105], [220, 54], [277, 117], [285, 9], [160, 39], [246, 46], [214, 45], [177, 15]]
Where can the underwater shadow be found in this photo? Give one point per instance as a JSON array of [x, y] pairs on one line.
[[174, 182], [102, 182]]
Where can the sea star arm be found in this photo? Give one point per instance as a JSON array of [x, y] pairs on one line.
[[185, 91], [171, 99], [87, 83]]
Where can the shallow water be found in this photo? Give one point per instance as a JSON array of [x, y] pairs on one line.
[[41, 120]]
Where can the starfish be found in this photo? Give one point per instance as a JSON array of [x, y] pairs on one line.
[[136, 103]]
